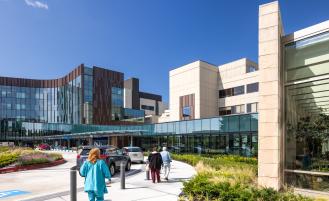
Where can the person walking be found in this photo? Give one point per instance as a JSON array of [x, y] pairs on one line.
[[155, 163], [165, 155], [95, 171]]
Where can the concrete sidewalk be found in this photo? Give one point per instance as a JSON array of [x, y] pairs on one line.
[[138, 188]]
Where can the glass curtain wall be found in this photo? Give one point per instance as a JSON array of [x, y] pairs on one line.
[[88, 95], [117, 103], [306, 65], [48, 105]]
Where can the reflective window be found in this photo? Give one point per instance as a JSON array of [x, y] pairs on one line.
[[250, 69], [147, 107], [252, 87], [238, 90], [252, 107], [186, 111], [307, 113]]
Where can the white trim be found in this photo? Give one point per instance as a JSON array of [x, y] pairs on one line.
[[308, 172]]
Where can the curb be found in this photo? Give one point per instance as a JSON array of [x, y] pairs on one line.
[[31, 167]]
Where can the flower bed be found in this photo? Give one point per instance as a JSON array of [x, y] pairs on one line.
[[228, 178], [20, 157]]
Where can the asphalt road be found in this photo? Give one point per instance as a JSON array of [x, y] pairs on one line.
[[45, 181]]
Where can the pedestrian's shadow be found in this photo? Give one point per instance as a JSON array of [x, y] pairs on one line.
[[175, 180], [136, 187]]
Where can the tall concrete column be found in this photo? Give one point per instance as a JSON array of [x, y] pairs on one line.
[[270, 151]]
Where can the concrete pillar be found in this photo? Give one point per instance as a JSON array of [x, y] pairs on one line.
[[131, 141], [270, 151]]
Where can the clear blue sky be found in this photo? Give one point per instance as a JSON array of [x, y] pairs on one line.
[[46, 39]]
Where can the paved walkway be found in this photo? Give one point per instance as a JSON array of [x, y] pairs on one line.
[[139, 189]]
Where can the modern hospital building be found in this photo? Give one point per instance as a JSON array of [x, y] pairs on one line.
[[276, 108]]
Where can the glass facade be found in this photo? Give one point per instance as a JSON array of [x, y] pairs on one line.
[[88, 95], [234, 134], [307, 113], [133, 115], [53, 105], [117, 103]]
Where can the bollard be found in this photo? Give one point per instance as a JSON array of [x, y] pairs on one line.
[[73, 183], [147, 174], [122, 174], [147, 171]]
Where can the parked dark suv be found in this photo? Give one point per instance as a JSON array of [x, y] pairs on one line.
[[110, 154]]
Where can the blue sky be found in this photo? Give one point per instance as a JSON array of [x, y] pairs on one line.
[[46, 39]]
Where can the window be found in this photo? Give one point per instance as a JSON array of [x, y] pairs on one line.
[[237, 109], [147, 107], [252, 87], [250, 69], [186, 111], [238, 90], [225, 110], [252, 107], [231, 92], [225, 93]]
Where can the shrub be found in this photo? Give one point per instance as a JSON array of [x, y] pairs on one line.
[[7, 159], [3, 149], [228, 178], [35, 161], [202, 188], [55, 156]]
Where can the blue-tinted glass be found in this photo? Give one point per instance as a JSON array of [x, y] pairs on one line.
[[170, 127], [245, 122], [190, 126], [254, 122], [186, 111], [223, 124], [205, 125], [197, 125], [182, 127], [234, 123], [177, 129], [215, 124]]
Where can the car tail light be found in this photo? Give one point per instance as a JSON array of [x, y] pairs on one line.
[[78, 156], [103, 156]]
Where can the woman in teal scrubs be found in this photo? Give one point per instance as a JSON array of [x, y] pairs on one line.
[[95, 171]]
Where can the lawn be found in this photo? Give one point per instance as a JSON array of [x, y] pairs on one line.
[[228, 178]]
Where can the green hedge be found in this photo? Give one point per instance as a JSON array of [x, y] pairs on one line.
[[35, 161], [218, 161], [202, 188], [3, 149], [7, 159], [228, 178]]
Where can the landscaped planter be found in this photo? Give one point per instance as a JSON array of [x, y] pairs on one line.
[[31, 167]]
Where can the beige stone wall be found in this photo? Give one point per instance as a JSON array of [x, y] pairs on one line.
[[270, 139], [198, 78], [234, 74], [208, 90]]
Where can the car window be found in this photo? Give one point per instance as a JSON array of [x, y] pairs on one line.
[[134, 149], [85, 152], [119, 152], [111, 151]]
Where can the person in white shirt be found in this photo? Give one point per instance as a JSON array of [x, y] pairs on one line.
[[166, 162]]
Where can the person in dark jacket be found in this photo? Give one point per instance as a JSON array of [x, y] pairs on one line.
[[155, 163]]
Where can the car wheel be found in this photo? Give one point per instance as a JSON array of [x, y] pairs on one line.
[[128, 166], [112, 169]]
